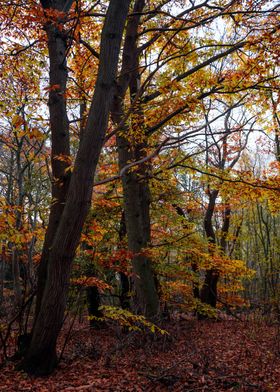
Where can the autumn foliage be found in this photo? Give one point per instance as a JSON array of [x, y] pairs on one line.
[[139, 181]]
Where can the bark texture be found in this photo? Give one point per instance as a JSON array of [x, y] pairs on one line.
[[136, 191], [41, 356], [59, 126]]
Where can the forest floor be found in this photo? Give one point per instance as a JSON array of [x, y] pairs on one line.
[[228, 355]]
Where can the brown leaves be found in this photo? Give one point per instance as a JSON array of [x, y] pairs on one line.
[[197, 356]]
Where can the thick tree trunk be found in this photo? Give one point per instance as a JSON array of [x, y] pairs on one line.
[[136, 192], [59, 126], [208, 293], [136, 205], [94, 301], [209, 289], [41, 356]]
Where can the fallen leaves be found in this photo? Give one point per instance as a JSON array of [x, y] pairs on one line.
[[195, 356]]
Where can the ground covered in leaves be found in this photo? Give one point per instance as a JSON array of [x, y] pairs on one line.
[[196, 356]]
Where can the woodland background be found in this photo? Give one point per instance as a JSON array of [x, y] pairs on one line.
[[139, 194]]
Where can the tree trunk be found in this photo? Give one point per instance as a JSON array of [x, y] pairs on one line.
[[209, 289], [59, 127], [136, 192], [136, 204], [94, 301], [92, 293], [208, 293], [41, 356]]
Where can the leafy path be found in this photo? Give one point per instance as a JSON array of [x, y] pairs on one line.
[[196, 356]]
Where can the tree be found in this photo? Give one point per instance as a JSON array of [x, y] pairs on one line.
[[41, 356], [135, 186], [223, 155], [55, 13]]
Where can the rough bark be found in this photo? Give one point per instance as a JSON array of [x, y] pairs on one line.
[[146, 297], [136, 192], [41, 356], [59, 127]]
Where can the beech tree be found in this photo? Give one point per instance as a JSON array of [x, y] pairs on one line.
[[40, 357], [135, 184]]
